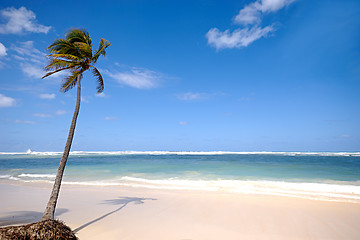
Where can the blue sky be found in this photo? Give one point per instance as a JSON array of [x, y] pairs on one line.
[[266, 75]]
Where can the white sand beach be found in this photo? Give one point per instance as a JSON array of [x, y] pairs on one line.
[[139, 213]]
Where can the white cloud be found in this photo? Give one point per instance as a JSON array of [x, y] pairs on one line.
[[24, 121], [273, 5], [32, 71], [47, 95], [252, 13], [6, 101], [183, 123], [60, 112], [137, 77], [189, 96], [250, 17], [20, 20], [42, 115], [238, 38], [2, 53], [2, 50], [111, 118], [19, 58], [100, 95], [31, 60], [28, 52]]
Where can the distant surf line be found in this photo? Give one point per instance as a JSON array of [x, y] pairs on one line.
[[282, 153]]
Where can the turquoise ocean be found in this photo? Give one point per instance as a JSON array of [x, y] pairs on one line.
[[326, 176]]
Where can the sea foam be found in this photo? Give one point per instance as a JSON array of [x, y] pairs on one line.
[[37, 175], [79, 153], [320, 191], [342, 191]]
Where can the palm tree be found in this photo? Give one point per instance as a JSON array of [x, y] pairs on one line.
[[75, 54]]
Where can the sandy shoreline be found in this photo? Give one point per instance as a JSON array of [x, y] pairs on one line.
[[139, 213]]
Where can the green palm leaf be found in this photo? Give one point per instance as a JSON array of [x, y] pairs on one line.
[[99, 79], [101, 50], [70, 81], [61, 46], [84, 49], [75, 53], [65, 56], [56, 64], [58, 70], [79, 35]]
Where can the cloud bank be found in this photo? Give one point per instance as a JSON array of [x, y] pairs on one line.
[[250, 19]]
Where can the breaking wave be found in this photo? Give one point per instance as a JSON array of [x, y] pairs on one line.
[[76, 153], [37, 175], [337, 191]]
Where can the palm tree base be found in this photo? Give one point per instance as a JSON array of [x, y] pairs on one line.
[[49, 229]]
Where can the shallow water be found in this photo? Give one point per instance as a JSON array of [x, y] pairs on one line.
[[329, 176]]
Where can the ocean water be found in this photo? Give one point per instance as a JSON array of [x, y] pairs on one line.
[[323, 176]]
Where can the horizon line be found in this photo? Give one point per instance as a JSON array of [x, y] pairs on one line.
[[163, 152]]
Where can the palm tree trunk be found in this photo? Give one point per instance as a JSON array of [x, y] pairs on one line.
[[50, 208]]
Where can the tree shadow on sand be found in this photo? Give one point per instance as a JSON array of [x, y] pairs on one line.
[[25, 217], [123, 201]]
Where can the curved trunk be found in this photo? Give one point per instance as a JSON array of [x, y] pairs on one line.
[[50, 208]]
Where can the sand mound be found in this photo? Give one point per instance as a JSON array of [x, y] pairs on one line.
[[49, 229]]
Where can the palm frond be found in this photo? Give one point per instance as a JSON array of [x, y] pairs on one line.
[[79, 35], [57, 70], [101, 50], [65, 56], [99, 79], [55, 45], [75, 53], [60, 63], [84, 49], [61, 46], [70, 81]]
